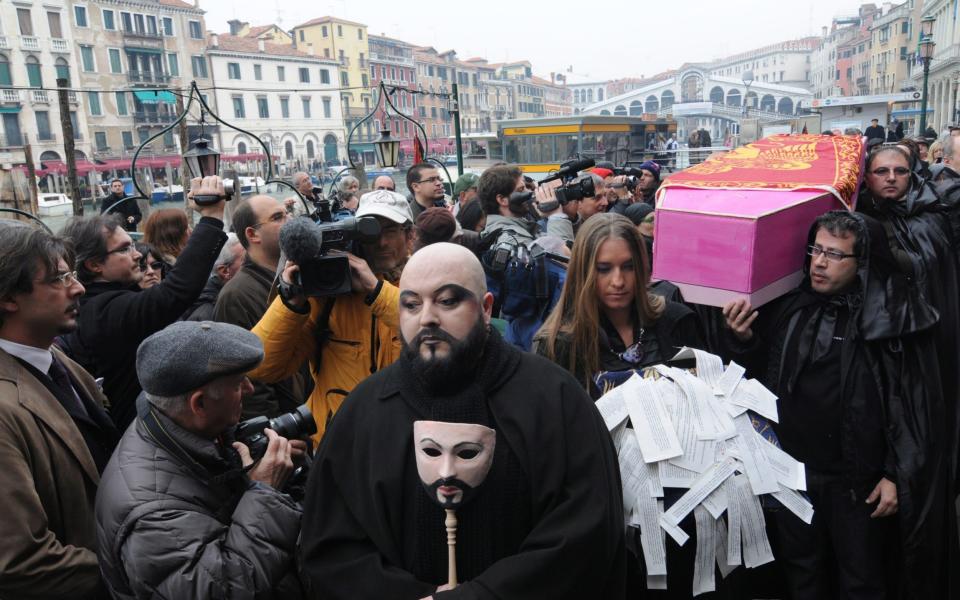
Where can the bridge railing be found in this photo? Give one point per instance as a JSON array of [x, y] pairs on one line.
[[724, 110], [675, 160]]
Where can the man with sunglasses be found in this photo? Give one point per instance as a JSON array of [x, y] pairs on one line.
[[55, 437], [115, 315], [870, 445]]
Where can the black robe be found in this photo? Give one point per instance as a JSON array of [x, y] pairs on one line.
[[560, 536]]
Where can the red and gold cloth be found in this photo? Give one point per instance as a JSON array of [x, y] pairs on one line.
[[782, 162]]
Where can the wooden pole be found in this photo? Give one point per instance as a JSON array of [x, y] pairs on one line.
[[451, 523], [32, 178], [185, 175], [68, 147]]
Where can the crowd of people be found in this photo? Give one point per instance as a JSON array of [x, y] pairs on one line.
[[499, 313]]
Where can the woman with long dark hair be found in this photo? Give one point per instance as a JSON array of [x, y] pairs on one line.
[[607, 324]]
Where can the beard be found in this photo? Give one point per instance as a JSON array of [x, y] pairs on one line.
[[466, 492], [443, 375]]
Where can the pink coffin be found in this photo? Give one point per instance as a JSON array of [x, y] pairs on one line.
[[718, 245]]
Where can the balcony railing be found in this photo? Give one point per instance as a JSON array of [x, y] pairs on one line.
[[11, 141], [72, 97], [144, 118], [4, 43], [344, 61], [29, 42], [147, 77], [39, 97], [59, 45], [10, 96], [389, 58], [134, 33]]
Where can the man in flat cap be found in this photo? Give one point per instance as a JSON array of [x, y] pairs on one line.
[[181, 511]]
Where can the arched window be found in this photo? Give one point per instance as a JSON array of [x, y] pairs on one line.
[[768, 103], [652, 104], [734, 98], [620, 110], [241, 148], [716, 95], [329, 147], [311, 152], [666, 99], [33, 72], [599, 94], [636, 108], [288, 150], [590, 95], [63, 69], [785, 106], [6, 77], [605, 112]]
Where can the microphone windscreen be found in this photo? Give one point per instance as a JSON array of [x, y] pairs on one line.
[[300, 240]]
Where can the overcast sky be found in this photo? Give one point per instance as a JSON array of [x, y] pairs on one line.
[[606, 40]]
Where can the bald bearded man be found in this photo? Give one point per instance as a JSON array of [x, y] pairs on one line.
[[547, 522]]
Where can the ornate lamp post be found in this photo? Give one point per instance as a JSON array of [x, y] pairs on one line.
[[926, 54]]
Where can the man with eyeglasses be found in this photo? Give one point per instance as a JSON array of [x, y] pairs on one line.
[[869, 446], [55, 436], [115, 315], [244, 299], [344, 338], [426, 188]]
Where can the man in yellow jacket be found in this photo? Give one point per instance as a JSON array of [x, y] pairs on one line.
[[345, 338]]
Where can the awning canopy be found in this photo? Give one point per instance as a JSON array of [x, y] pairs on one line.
[[246, 157], [155, 96], [84, 166], [9, 109]]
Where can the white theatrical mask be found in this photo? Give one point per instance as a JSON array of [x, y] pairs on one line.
[[452, 459]]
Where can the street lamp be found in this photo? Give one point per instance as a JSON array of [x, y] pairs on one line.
[[388, 149], [926, 54], [202, 159], [747, 81]]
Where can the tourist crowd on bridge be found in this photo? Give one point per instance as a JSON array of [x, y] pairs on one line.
[[127, 364]]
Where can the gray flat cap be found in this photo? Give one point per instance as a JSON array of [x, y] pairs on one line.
[[188, 355]]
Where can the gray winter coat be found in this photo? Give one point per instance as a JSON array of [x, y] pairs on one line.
[[168, 529], [510, 230]]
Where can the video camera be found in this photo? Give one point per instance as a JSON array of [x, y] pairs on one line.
[[309, 244], [572, 188]]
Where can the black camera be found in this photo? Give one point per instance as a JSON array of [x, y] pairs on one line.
[[326, 274], [293, 426], [576, 190]]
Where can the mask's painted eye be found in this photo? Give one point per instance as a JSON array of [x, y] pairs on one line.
[[431, 452], [468, 453]]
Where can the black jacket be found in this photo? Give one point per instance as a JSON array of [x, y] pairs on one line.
[[892, 412], [364, 486], [116, 317], [677, 327], [127, 209], [202, 309]]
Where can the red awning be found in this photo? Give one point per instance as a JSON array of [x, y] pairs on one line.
[[84, 166], [110, 164], [246, 157], [159, 162]]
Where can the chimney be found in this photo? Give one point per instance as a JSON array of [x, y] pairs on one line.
[[214, 40], [261, 46], [235, 26]]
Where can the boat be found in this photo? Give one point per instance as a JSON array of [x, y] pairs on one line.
[[250, 185], [54, 205], [169, 193]]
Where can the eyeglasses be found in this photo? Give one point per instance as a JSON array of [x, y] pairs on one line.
[[125, 249], [831, 255], [648, 219], [884, 171], [64, 280], [274, 218], [435, 179]]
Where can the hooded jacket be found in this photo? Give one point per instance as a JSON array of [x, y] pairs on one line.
[[892, 418], [510, 230]]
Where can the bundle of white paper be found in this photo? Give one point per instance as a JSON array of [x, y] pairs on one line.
[[694, 432]]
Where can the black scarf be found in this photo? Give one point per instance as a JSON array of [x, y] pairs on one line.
[[500, 498]]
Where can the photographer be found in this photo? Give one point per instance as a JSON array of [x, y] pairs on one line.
[[507, 219], [345, 338], [182, 512], [619, 195], [649, 183], [115, 315], [565, 219]]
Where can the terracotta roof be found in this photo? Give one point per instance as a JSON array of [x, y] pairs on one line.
[[255, 31], [177, 3], [321, 20], [232, 43]]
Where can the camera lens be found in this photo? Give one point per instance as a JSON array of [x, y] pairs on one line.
[[295, 425]]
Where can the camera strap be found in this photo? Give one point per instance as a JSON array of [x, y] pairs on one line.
[[323, 331]]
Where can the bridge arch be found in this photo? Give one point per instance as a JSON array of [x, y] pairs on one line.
[[785, 106], [636, 108], [734, 98], [667, 99], [716, 94], [768, 103]]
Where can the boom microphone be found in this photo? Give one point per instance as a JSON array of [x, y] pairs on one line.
[[570, 169], [301, 240]]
